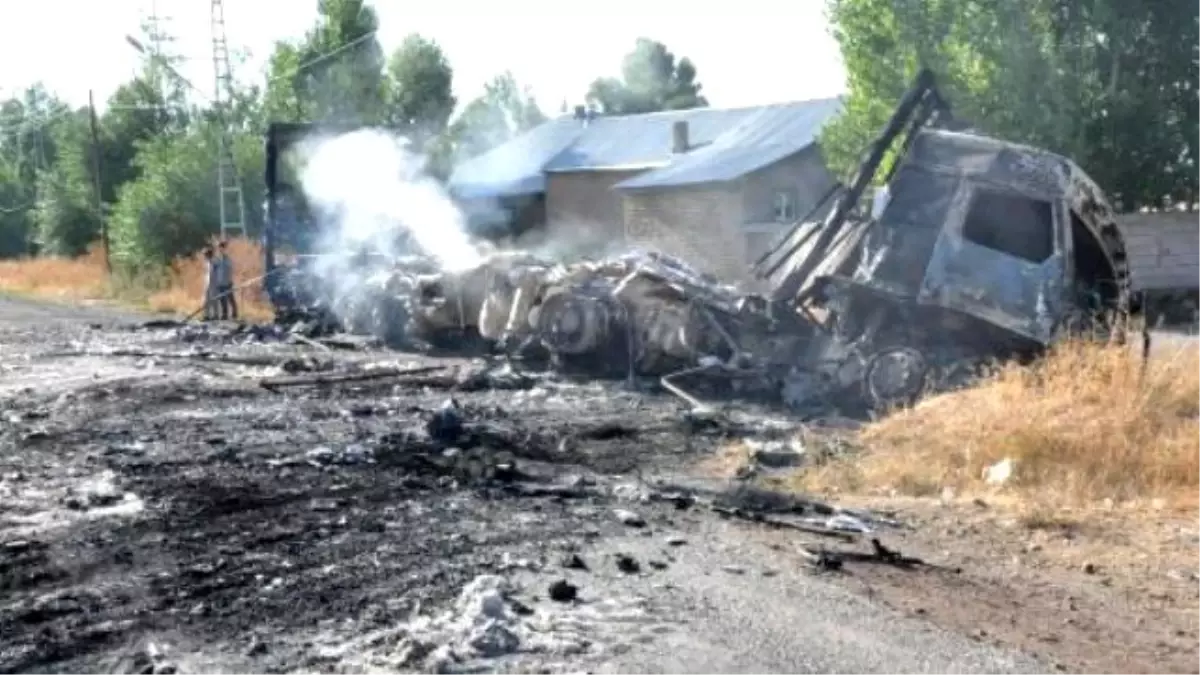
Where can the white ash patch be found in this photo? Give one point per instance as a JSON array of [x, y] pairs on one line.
[[487, 629], [29, 510]]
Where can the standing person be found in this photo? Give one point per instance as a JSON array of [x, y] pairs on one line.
[[210, 284], [226, 300]]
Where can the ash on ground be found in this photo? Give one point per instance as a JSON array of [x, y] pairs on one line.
[[156, 486]]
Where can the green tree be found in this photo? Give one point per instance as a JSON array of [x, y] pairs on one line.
[[419, 90], [340, 75], [29, 145], [48, 201], [137, 111], [651, 80], [335, 73], [27, 124], [282, 100], [1110, 83], [66, 218], [503, 111], [171, 208], [16, 223]]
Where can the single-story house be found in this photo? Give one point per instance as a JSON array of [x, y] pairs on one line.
[[714, 187]]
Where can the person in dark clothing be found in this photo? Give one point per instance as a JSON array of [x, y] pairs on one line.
[[210, 284], [226, 302]]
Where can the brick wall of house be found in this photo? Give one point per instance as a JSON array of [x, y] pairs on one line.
[[724, 228], [696, 224], [802, 175], [582, 207]]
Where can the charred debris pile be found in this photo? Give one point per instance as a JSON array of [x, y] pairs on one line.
[[973, 250]]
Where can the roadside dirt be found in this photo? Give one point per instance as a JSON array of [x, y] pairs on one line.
[[1107, 591]]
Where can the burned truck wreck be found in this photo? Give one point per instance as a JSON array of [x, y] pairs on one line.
[[980, 249], [974, 249]]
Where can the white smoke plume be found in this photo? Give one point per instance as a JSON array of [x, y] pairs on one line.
[[371, 191], [373, 204]]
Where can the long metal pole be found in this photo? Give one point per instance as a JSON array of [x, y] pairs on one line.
[[96, 183]]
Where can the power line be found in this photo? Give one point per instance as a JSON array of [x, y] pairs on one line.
[[325, 57]]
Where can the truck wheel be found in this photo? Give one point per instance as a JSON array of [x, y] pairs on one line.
[[894, 376]]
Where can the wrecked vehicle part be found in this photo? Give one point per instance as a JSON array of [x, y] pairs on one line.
[[982, 249], [573, 322], [470, 308], [977, 250], [894, 377]]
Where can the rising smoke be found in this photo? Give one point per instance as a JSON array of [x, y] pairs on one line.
[[372, 192]]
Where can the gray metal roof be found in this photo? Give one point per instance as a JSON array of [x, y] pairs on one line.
[[516, 167], [726, 144], [760, 137]]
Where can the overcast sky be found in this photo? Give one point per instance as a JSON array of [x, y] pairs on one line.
[[747, 52]]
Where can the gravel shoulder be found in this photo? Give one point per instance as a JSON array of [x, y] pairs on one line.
[[164, 514], [1093, 592]]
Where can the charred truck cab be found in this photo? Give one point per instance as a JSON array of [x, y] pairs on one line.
[[976, 249]]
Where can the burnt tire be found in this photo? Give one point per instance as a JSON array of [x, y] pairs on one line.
[[895, 376]]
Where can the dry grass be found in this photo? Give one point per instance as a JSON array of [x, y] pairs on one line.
[[185, 285], [726, 462], [81, 278], [1083, 427], [179, 291]]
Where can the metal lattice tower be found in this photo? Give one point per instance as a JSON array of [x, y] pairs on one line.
[[160, 43], [229, 187]]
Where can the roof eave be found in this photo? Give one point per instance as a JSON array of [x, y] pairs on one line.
[[667, 185], [470, 192], [647, 182], [640, 166]]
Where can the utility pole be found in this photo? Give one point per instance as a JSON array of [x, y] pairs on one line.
[[96, 182]]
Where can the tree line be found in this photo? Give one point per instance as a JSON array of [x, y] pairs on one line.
[[158, 144], [1111, 83]]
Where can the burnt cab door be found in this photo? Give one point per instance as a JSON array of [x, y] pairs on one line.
[[1000, 258]]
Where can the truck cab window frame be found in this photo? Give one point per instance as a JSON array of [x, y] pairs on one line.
[[1011, 223]]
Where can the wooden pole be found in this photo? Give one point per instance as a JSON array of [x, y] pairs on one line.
[[96, 183]]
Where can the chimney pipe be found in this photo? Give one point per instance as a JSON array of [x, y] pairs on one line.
[[679, 137]]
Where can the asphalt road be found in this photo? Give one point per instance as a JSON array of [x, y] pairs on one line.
[[724, 596]]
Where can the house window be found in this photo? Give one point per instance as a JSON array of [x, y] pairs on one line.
[[1012, 224], [785, 206]]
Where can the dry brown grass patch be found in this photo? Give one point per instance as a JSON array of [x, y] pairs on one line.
[[82, 278], [185, 286], [1082, 425], [727, 461], [178, 292]]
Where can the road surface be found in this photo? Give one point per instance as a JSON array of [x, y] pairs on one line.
[[164, 514]]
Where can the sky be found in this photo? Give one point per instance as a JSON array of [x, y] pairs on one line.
[[748, 52]]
